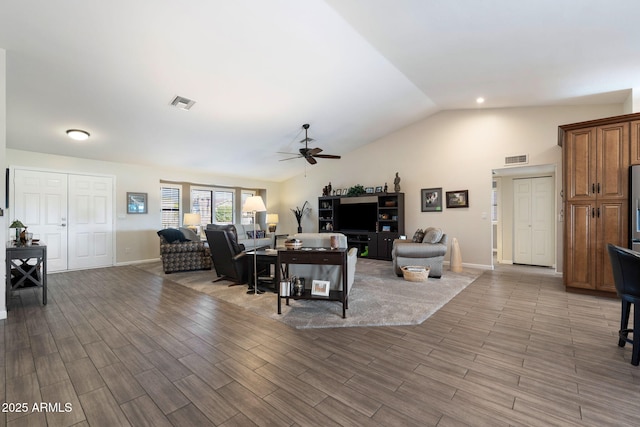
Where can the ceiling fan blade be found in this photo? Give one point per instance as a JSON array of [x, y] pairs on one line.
[[311, 160], [314, 151], [327, 156], [290, 158], [287, 152]]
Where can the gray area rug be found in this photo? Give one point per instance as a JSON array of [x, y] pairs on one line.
[[378, 297]]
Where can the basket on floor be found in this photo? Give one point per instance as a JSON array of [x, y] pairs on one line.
[[415, 273]]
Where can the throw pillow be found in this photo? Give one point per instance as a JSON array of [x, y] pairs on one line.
[[189, 234], [432, 235], [171, 235], [260, 234], [418, 236]]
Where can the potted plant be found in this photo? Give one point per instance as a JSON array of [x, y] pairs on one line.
[[299, 213]]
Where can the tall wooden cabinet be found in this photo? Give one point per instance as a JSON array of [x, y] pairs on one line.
[[596, 157]]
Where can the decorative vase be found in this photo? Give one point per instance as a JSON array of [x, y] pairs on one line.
[[299, 229]]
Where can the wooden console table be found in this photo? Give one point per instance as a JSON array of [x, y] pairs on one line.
[[322, 256], [21, 274]]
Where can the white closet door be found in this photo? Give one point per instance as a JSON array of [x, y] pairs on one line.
[[40, 200], [533, 221], [90, 221]]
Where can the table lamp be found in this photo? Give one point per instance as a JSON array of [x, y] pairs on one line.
[[192, 222], [254, 204], [272, 220]]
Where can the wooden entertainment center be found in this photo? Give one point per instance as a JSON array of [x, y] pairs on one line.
[[371, 222]]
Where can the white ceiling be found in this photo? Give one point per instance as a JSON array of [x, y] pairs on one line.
[[356, 70]]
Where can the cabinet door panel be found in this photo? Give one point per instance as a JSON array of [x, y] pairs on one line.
[[635, 143], [613, 161], [580, 160], [611, 228], [580, 229]]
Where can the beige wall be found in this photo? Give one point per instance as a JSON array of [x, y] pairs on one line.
[[455, 150], [136, 238]]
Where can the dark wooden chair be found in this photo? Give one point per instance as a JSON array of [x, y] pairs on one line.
[[626, 275]]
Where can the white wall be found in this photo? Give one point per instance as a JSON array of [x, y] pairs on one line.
[[455, 150], [3, 162], [136, 238]]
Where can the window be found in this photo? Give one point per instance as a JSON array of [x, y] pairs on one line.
[[215, 206], [247, 217], [170, 205]]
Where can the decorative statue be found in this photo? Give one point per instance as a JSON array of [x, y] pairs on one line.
[[385, 187], [396, 183], [329, 189]]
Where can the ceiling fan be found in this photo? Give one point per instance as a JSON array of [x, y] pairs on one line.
[[310, 154]]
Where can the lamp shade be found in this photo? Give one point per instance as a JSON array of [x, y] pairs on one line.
[[254, 204], [191, 219], [272, 218]]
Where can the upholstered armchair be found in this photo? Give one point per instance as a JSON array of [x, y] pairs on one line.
[[325, 272], [429, 252], [178, 253]]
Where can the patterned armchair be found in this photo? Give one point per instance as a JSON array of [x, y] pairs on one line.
[[180, 254]]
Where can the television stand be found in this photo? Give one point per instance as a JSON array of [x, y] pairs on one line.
[[382, 213]]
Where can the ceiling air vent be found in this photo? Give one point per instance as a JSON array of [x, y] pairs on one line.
[[521, 159], [182, 103]]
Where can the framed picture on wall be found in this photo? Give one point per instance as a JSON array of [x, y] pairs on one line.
[[136, 203], [431, 199], [458, 199]]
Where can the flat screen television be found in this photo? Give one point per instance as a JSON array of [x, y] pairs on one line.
[[357, 217]]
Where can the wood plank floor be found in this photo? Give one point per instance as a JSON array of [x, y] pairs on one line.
[[119, 346]]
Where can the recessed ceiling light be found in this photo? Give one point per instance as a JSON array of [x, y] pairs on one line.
[[480, 100], [78, 134]]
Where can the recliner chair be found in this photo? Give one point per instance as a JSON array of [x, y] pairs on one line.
[[229, 257]]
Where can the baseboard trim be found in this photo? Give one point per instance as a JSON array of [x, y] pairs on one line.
[[142, 261]]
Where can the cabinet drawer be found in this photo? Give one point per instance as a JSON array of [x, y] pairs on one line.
[[302, 257]]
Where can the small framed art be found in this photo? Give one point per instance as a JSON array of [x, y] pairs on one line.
[[431, 199], [338, 192], [368, 190], [136, 203], [320, 288], [458, 199], [379, 189]]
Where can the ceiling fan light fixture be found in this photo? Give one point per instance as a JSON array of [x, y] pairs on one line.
[[78, 134]]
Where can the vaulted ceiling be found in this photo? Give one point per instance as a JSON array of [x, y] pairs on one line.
[[355, 70]]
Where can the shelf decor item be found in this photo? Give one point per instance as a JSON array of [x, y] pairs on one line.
[[458, 199], [320, 288], [431, 199]]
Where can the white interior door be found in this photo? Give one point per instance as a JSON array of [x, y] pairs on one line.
[[41, 204], [533, 221], [72, 214], [90, 224], [522, 231]]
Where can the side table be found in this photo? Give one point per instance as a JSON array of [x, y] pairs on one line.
[[21, 274]]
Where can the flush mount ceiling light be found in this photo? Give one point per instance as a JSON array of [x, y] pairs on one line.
[[182, 103], [78, 134], [480, 100]]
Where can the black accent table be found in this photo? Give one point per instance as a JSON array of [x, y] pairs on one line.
[[21, 274], [326, 256]]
